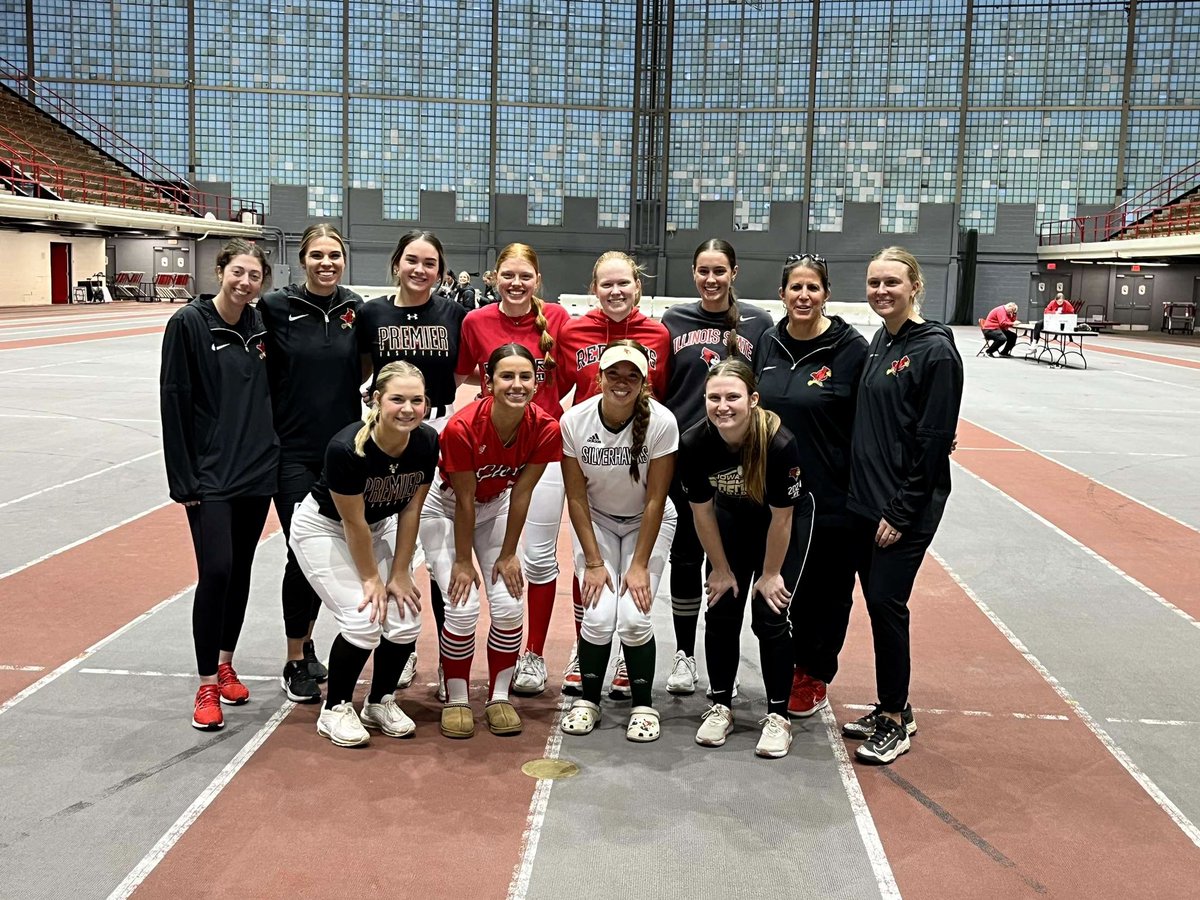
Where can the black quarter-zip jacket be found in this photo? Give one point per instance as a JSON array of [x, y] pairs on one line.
[[907, 415], [813, 387], [218, 438], [313, 367]]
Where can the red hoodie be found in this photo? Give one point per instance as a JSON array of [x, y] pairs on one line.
[[583, 339]]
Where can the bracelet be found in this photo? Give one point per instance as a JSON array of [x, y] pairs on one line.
[[588, 565]]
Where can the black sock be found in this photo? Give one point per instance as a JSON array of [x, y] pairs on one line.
[[685, 616], [389, 663], [778, 668], [438, 603], [345, 665], [593, 660], [639, 661]]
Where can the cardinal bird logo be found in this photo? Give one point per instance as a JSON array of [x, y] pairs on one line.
[[819, 377], [347, 318], [710, 357], [898, 366], [262, 350]]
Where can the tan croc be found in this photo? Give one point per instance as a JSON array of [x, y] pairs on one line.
[[458, 721], [643, 725], [502, 717]]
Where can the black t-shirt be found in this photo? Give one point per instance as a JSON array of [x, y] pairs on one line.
[[426, 336], [709, 469], [386, 483]]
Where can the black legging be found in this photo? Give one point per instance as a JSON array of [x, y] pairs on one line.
[[887, 577], [300, 602], [723, 620], [820, 611], [687, 559], [225, 535]]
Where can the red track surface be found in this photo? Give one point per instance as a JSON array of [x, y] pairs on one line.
[[78, 338], [1151, 357]]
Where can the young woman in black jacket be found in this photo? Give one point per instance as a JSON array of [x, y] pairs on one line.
[[314, 372], [904, 426], [222, 458], [808, 369]]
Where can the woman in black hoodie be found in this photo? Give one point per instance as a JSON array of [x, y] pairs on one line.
[[808, 369], [908, 403], [222, 455]]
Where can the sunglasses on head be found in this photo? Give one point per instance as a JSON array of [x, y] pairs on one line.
[[801, 257]]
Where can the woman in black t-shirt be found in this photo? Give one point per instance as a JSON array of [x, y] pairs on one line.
[[354, 538], [740, 471]]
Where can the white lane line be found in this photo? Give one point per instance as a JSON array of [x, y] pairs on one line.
[[63, 484], [1085, 452], [1147, 784], [1131, 499], [518, 887], [109, 377], [993, 449], [82, 540], [1045, 717], [152, 674], [72, 663], [9, 668], [76, 418], [1151, 722], [199, 805], [1188, 387], [1111, 566], [884, 878]]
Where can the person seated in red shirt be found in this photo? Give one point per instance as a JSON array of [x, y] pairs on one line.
[[998, 329], [1059, 304]]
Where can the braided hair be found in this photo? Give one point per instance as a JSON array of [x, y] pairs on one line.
[[717, 245], [545, 340], [641, 410]]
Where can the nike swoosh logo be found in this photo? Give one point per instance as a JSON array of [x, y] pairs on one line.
[[769, 368], [220, 346], [745, 318], [301, 316]]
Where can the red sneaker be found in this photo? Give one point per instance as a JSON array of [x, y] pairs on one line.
[[233, 692], [207, 715], [807, 697]]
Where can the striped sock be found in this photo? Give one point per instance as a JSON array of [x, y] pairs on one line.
[[541, 606], [685, 613], [457, 651], [502, 648]]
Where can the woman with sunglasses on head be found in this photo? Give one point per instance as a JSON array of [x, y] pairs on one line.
[[523, 317], [703, 333], [741, 473], [312, 362], [493, 454], [222, 458], [808, 369], [617, 286], [904, 426], [618, 458], [354, 537], [421, 326]]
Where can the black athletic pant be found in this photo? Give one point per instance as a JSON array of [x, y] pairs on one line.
[[225, 534], [723, 621], [300, 601], [820, 611], [687, 559], [887, 577], [998, 336]]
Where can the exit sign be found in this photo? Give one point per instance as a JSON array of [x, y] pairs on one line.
[[1051, 266], [1135, 268]]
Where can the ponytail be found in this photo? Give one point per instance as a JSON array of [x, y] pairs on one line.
[[545, 341], [731, 323], [641, 423], [360, 439]]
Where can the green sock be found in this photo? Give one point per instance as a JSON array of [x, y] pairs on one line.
[[639, 661], [593, 660]]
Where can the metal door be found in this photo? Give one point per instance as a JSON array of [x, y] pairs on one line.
[[60, 273], [1043, 286], [173, 261], [1134, 300]]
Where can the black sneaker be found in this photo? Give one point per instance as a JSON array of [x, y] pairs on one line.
[[298, 684], [862, 728], [315, 667], [888, 741]]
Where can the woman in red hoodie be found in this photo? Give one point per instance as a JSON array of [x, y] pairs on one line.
[[617, 286]]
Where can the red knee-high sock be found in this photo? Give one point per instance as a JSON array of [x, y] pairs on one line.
[[541, 605], [502, 648], [457, 651], [577, 606]]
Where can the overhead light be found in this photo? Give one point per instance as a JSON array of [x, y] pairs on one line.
[[1114, 262]]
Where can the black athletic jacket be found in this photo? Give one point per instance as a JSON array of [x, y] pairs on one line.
[[218, 441], [908, 403], [813, 387], [313, 367]]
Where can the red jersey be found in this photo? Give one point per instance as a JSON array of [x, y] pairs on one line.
[[1059, 306], [486, 328], [470, 443], [582, 340]]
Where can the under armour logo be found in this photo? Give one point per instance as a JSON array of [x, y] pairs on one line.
[[393, 467], [412, 317]]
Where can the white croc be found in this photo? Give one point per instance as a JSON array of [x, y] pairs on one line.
[[643, 725], [581, 718]]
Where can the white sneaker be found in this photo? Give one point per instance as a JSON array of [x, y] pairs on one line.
[[619, 689], [342, 726], [718, 722], [409, 672], [388, 717], [682, 679], [529, 676], [776, 736], [736, 682], [442, 694]]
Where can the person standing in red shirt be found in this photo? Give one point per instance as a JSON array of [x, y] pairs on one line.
[[493, 453], [523, 317], [998, 328]]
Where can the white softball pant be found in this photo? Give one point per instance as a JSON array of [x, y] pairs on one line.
[[542, 524]]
